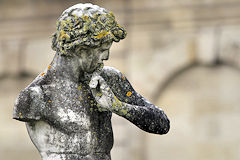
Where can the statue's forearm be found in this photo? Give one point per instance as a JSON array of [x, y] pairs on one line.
[[149, 118]]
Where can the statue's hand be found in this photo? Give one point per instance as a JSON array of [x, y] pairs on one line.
[[101, 92]]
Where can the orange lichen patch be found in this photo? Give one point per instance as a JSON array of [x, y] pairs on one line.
[[79, 87], [123, 78], [101, 34], [49, 101], [129, 93], [42, 74], [49, 66]]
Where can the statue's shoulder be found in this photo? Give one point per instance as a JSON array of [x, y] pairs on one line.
[[120, 85], [30, 101], [115, 78]]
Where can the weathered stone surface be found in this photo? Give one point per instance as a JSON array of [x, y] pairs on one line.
[[68, 107]]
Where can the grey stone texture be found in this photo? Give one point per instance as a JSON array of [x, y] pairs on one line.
[[68, 107], [163, 38]]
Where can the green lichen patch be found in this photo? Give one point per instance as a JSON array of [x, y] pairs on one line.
[[89, 30]]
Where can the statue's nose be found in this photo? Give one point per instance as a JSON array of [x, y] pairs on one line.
[[105, 55]]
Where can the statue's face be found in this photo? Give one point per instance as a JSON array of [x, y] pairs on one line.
[[92, 58]]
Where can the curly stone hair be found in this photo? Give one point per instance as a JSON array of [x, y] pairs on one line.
[[85, 25]]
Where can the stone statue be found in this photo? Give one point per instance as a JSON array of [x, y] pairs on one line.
[[68, 107]]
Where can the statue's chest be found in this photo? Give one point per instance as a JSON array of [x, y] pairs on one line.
[[70, 104], [68, 95]]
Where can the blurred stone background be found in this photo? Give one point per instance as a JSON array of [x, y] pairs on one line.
[[182, 55]]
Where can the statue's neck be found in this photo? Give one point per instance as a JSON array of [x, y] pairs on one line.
[[66, 67]]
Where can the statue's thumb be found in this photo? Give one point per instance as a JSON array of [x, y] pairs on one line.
[[94, 82]]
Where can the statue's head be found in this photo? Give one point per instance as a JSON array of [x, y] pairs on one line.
[[85, 26]]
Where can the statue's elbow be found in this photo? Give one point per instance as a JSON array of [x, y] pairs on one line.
[[165, 127], [161, 127]]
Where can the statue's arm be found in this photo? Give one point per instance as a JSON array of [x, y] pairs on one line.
[[29, 104], [147, 117], [126, 102]]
